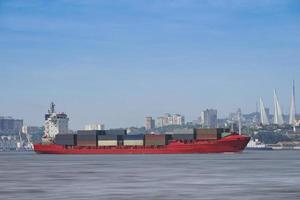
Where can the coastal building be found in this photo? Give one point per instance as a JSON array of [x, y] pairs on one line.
[[31, 129], [149, 123], [209, 118], [9, 125], [90, 127], [169, 119], [178, 119], [166, 119], [160, 122]]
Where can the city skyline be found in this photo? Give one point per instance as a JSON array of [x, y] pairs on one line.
[[117, 63]]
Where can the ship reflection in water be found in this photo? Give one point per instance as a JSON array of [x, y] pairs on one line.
[[249, 175]]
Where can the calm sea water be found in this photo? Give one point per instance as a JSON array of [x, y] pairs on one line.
[[249, 175]]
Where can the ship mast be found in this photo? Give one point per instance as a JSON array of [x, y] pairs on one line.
[[239, 116]]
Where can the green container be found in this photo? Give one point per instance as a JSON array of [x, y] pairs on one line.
[[225, 134]]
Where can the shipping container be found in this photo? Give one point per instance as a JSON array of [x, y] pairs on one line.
[[107, 137], [86, 143], [225, 134], [133, 137], [183, 137], [92, 132], [87, 139], [107, 143], [206, 136], [209, 131], [116, 132], [226, 130], [155, 140], [133, 142], [65, 139], [183, 131]]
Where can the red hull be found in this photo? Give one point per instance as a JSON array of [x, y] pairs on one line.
[[233, 143]]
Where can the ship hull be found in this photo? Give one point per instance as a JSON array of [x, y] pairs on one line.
[[234, 143]]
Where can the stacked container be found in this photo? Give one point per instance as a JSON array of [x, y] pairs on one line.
[[208, 133], [183, 134], [107, 140], [87, 138], [116, 132], [155, 140], [97, 132], [225, 134], [133, 140], [65, 139]]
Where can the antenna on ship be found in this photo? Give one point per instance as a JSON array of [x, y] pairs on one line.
[[52, 108]]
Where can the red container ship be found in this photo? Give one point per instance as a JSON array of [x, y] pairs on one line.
[[231, 143], [57, 140]]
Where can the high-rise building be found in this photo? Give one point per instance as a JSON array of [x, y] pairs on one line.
[[149, 123], [31, 129], [167, 119], [9, 125], [209, 118], [178, 119], [160, 122], [91, 127]]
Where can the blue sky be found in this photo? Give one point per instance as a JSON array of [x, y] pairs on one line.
[[116, 62]]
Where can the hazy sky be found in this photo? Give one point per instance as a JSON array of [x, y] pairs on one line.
[[116, 62]]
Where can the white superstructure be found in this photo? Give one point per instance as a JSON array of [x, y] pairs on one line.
[[55, 123], [256, 144]]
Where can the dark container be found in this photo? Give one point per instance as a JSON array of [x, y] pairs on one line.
[[183, 131], [183, 137], [116, 132], [206, 136], [65, 139], [107, 137], [155, 140], [169, 137], [133, 137], [87, 143], [93, 132], [87, 138], [208, 133], [226, 130]]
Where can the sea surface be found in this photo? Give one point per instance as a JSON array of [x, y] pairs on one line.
[[249, 175]]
